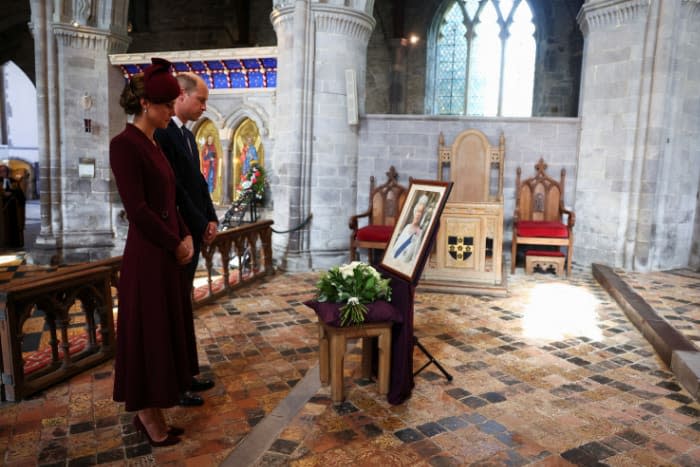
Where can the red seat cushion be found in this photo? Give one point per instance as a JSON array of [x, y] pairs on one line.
[[542, 229], [543, 253], [375, 233]]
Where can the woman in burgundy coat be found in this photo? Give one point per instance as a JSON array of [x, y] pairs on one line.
[[151, 367]]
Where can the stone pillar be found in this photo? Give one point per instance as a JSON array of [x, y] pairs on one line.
[[43, 49], [315, 158], [77, 93], [638, 171]]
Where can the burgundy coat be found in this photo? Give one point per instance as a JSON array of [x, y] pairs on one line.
[[153, 363]]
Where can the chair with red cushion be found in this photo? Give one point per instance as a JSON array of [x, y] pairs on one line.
[[540, 217], [385, 202]]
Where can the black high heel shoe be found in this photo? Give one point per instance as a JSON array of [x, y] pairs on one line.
[[168, 441]]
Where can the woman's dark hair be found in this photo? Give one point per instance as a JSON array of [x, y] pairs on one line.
[[133, 91]]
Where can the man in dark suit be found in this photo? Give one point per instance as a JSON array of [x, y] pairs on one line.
[[193, 199]]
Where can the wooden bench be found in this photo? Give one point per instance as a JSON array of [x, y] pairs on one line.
[[56, 294], [545, 260], [333, 344]]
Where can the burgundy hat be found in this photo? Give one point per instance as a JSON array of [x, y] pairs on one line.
[[159, 83]]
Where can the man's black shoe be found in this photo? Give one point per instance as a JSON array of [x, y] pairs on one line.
[[188, 399], [201, 384]]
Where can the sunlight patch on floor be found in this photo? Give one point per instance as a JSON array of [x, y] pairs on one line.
[[9, 259], [202, 281], [560, 311]]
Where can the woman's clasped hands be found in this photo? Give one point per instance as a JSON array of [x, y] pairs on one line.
[[185, 250]]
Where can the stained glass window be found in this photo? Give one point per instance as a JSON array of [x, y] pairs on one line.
[[452, 53], [484, 60]]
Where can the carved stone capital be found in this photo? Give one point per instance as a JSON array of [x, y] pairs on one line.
[[345, 21], [359, 5], [328, 18], [83, 37], [610, 13], [282, 19]]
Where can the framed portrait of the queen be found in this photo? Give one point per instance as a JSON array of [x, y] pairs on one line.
[[409, 246]]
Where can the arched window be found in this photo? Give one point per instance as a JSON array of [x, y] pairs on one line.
[[483, 59]]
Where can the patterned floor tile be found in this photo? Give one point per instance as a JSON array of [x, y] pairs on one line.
[[552, 374]]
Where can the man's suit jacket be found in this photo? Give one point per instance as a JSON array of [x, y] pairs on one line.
[[193, 198]]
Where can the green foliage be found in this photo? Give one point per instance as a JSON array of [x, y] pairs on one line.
[[254, 180], [354, 284]]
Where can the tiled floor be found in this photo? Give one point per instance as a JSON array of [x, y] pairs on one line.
[[553, 374]]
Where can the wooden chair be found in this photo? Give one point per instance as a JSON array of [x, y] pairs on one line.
[[385, 202], [539, 214], [468, 255]]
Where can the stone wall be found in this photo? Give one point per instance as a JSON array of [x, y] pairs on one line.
[[560, 48], [182, 25], [209, 24], [379, 60], [410, 144]]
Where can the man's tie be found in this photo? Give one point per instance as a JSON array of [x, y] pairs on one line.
[[189, 143]]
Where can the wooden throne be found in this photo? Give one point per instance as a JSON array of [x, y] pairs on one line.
[[468, 255], [540, 217]]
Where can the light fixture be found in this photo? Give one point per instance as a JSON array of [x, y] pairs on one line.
[[413, 39]]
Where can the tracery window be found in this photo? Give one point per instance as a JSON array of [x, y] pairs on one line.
[[484, 59]]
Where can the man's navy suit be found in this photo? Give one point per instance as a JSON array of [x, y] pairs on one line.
[[193, 198]]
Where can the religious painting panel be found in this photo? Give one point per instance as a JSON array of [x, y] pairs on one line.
[[210, 158], [248, 154]]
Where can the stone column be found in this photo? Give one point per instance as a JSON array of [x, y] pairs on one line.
[[43, 49], [636, 185], [315, 158], [77, 94]]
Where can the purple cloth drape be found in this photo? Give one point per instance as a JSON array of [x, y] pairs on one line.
[[401, 377], [402, 342]]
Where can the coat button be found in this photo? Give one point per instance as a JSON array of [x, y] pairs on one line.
[[164, 214]]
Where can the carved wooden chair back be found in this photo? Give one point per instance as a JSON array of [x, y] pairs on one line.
[[385, 203], [386, 200], [475, 167], [540, 198]]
